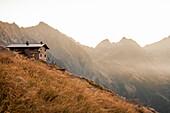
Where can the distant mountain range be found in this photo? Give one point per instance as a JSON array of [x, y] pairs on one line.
[[124, 67]]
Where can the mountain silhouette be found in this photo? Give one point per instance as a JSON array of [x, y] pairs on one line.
[[124, 67]]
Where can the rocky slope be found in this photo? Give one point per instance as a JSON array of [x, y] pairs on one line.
[[32, 86], [134, 72], [63, 49], [124, 67], [11, 33]]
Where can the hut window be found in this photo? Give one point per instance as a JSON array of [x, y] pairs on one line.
[[32, 54], [40, 55]]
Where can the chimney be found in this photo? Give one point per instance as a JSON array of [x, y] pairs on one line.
[[41, 42], [27, 43]]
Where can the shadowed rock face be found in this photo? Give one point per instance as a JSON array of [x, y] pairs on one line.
[[63, 49], [135, 72], [11, 33], [124, 67]]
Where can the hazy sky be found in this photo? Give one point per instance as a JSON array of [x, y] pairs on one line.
[[91, 21]]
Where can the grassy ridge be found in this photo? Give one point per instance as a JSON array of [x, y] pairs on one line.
[[27, 86]]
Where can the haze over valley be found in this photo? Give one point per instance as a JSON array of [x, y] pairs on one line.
[[124, 67]]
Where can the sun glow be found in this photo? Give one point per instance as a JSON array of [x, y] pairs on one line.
[[90, 22]]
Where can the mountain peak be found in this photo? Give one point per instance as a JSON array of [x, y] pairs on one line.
[[42, 23], [125, 41], [104, 44], [8, 24], [124, 38], [106, 40], [14, 23]]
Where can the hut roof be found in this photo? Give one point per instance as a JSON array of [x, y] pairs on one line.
[[27, 46]]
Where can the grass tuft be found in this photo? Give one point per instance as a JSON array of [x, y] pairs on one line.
[[27, 86]]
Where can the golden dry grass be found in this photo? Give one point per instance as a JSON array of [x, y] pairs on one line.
[[27, 86]]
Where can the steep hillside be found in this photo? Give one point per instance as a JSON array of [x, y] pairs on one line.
[[11, 33], [133, 72], [160, 51], [63, 49], [32, 86], [123, 67]]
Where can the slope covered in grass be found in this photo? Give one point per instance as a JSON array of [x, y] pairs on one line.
[[32, 86]]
